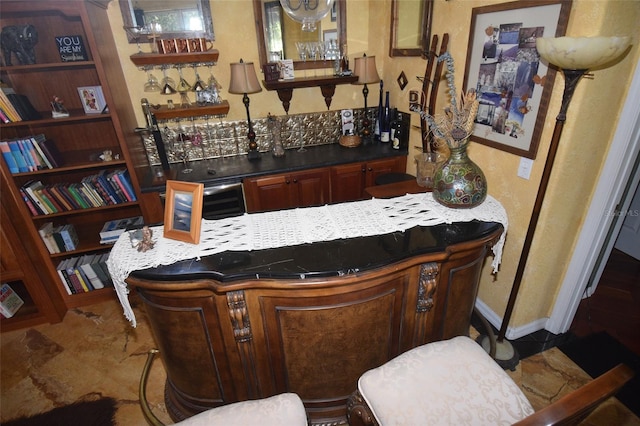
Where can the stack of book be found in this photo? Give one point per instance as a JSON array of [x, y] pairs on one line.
[[15, 107], [59, 239], [99, 190], [112, 229], [85, 273], [30, 154]]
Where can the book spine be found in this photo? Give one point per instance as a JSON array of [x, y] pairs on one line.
[[55, 192], [36, 146], [36, 200], [48, 147], [75, 281], [58, 239], [26, 155], [17, 155], [92, 194], [9, 159], [77, 196], [81, 278], [102, 191], [45, 199], [64, 279], [69, 241], [64, 191], [32, 208], [47, 193], [125, 184]]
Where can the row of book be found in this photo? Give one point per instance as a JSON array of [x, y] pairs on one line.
[[85, 273], [15, 107], [30, 154], [98, 190], [59, 239]]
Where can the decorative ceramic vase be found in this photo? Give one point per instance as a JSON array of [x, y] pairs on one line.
[[459, 182]]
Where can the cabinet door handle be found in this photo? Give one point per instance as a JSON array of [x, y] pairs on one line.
[[364, 170], [295, 181], [287, 182], [370, 169]]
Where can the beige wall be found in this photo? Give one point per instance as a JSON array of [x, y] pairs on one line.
[[591, 122]]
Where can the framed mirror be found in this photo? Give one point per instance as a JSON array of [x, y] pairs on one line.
[[277, 33], [410, 27], [176, 18]]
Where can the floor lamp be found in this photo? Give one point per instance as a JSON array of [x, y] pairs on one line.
[[574, 56]]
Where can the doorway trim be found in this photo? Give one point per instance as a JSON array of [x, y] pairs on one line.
[[595, 240]]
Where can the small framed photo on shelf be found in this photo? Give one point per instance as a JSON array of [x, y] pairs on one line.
[[92, 99], [183, 211]]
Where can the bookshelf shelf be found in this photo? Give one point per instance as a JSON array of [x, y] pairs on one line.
[[78, 141]]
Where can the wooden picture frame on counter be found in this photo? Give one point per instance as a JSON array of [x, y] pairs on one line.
[[183, 211]]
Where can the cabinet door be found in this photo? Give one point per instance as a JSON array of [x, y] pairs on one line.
[[310, 188], [380, 167], [347, 182], [267, 193]]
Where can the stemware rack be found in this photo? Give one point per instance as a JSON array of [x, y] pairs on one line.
[[159, 60]]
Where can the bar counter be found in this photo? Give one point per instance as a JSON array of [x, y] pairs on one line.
[[309, 318]]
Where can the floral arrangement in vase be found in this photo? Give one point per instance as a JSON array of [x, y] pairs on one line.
[[458, 182]]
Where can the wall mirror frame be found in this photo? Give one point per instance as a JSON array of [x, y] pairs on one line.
[[422, 33], [128, 17], [341, 20]]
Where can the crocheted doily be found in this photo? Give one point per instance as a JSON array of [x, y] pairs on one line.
[[259, 231]]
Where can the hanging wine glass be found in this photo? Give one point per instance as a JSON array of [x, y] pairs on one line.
[[183, 140], [183, 88], [151, 84], [199, 85], [212, 81], [168, 84]]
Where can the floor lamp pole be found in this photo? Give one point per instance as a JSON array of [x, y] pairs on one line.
[[505, 354]]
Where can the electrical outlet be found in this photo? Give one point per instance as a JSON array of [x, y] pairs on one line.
[[524, 170]]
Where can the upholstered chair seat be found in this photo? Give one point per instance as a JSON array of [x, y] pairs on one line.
[[279, 410], [455, 382], [451, 382]]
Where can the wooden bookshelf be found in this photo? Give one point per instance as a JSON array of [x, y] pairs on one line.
[[80, 138]]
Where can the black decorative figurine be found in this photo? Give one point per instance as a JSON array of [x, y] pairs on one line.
[[20, 40]]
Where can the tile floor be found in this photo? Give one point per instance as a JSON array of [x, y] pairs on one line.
[[95, 352]]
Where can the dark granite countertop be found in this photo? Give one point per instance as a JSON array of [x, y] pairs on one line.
[[230, 170], [323, 259]]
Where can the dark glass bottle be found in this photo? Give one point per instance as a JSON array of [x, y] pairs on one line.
[[397, 136], [378, 125], [385, 130]]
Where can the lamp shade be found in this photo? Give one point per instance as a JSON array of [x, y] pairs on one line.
[[581, 53], [243, 78], [307, 12], [365, 69]]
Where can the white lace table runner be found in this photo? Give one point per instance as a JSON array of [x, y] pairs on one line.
[[283, 228]]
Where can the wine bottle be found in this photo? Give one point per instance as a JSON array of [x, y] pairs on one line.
[[378, 125], [385, 130], [397, 136]]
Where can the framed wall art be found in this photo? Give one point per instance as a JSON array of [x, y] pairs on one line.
[[183, 211], [503, 66]]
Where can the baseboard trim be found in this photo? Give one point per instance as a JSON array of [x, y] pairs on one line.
[[512, 332]]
